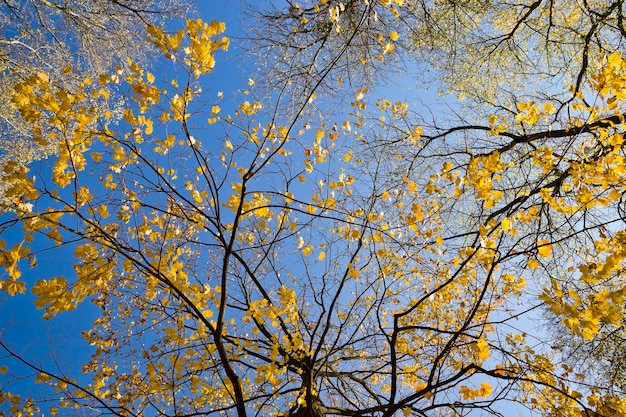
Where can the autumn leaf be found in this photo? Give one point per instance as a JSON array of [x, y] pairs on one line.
[[482, 350], [544, 248]]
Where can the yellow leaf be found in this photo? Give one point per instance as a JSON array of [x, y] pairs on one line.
[[615, 59], [499, 370], [545, 250], [549, 108], [418, 213], [416, 134], [83, 196], [287, 296], [482, 349], [43, 77], [103, 211], [41, 378], [467, 393], [485, 390], [103, 79], [388, 48], [13, 287], [228, 146], [506, 223], [393, 36], [533, 263], [307, 165]]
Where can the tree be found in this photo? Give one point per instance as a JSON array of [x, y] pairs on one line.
[[492, 53], [501, 59], [310, 263], [69, 42]]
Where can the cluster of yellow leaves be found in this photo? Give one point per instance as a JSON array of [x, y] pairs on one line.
[[256, 203], [553, 404], [386, 44], [544, 157], [585, 312], [70, 119], [10, 259], [496, 127], [482, 350], [595, 176], [609, 406], [199, 51], [264, 311], [482, 171], [611, 78], [21, 407], [179, 104], [513, 284], [20, 188], [53, 295], [471, 394], [248, 108], [144, 92], [530, 113], [93, 273], [287, 341], [392, 5]]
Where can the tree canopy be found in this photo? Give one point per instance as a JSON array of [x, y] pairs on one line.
[[318, 249], [69, 41]]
